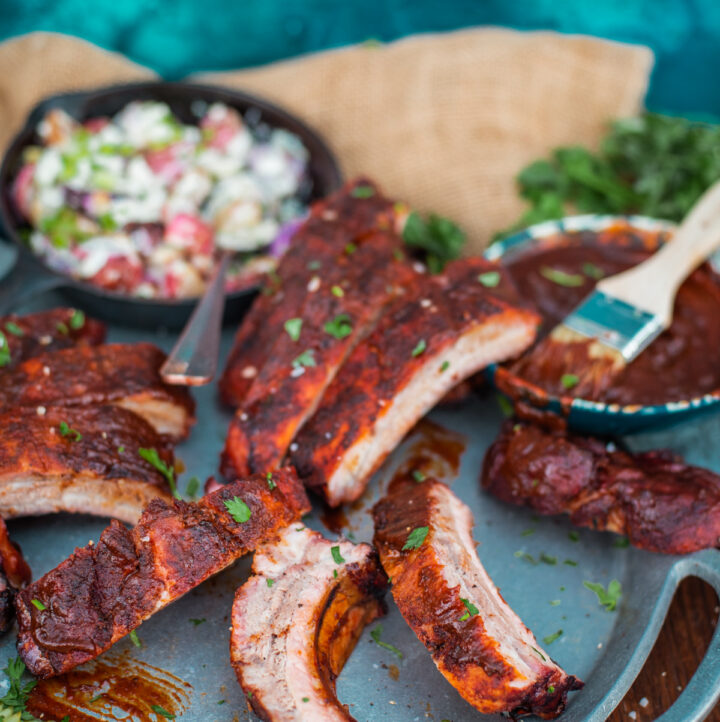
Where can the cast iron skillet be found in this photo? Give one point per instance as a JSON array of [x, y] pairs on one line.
[[31, 276]]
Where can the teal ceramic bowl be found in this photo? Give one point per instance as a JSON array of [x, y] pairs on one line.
[[594, 417]]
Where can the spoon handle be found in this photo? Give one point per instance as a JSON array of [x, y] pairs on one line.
[[194, 358]]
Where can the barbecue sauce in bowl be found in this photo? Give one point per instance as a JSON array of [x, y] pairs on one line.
[[557, 273]]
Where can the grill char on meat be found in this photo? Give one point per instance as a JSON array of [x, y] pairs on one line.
[[654, 498], [14, 575], [333, 223], [44, 331], [285, 394], [105, 590], [125, 375], [490, 657], [98, 472], [444, 329], [295, 608]]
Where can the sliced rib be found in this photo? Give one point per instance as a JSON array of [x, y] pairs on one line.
[[654, 498], [38, 333], [351, 295], [332, 224], [125, 375], [105, 590], [14, 575], [444, 329], [296, 621], [490, 657], [94, 468]]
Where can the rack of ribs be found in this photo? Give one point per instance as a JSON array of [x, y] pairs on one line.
[[79, 459], [125, 375], [105, 590], [22, 337], [654, 498], [423, 535], [14, 575], [308, 601], [333, 225], [444, 329]]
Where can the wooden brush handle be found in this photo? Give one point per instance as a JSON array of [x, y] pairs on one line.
[[652, 285]]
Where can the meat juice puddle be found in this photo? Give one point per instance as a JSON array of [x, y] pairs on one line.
[[114, 688]]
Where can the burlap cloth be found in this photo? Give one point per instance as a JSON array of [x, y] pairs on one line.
[[443, 121]]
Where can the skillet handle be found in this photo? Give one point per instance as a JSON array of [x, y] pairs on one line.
[[702, 692], [27, 278]]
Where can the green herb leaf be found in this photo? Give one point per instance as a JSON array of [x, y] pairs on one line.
[[66, 431], [592, 271], [440, 239], [14, 329], [539, 653], [416, 538], [152, 457], [121, 449], [5, 357], [193, 486], [77, 320], [569, 380], [340, 327], [420, 348], [551, 689], [552, 637], [198, 622], [418, 475], [62, 327], [609, 597], [238, 509], [362, 192], [293, 326], [547, 559], [570, 563], [569, 280], [38, 605], [573, 536], [336, 555], [444, 366], [337, 291], [135, 639], [271, 484], [306, 699], [350, 248], [489, 279], [162, 711], [306, 358], [472, 610], [505, 405], [621, 543], [554, 602], [314, 265], [376, 634], [520, 554], [270, 582], [527, 532]]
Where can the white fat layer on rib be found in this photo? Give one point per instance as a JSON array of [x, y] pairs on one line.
[[486, 343], [463, 572], [274, 627]]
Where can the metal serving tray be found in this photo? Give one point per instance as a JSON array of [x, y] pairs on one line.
[[605, 649]]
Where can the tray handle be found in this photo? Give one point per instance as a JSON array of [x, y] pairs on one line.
[[27, 278], [702, 692]]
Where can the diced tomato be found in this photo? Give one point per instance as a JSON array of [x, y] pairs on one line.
[[191, 233], [22, 189], [95, 125], [119, 274], [223, 125], [164, 162]]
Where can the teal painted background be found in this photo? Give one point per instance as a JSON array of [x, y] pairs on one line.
[[176, 37]]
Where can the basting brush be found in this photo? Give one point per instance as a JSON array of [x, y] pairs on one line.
[[626, 312]]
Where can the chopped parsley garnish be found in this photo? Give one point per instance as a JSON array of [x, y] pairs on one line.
[[66, 431], [162, 711], [293, 326], [271, 484], [573, 536], [593, 271], [570, 563], [350, 248], [340, 327], [440, 239], [554, 602], [14, 329], [335, 574], [421, 346], [62, 327], [416, 538], [314, 265], [609, 597], [238, 509], [336, 555], [621, 542], [527, 532], [472, 610], [505, 405], [306, 358], [96, 698], [569, 280], [376, 633], [192, 487], [539, 653], [520, 554], [270, 582], [153, 458], [489, 279], [5, 357], [197, 622], [547, 559], [306, 699], [337, 291], [551, 689], [445, 366], [552, 637], [569, 380], [135, 639], [121, 449], [362, 192], [38, 605], [418, 475]]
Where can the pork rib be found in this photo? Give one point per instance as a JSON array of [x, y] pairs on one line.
[[125, 375], [444, 329], [333, 223], [654, 498], [105, 590], [37, 333], [302, 605], [79, 459], [345, 301], [14, 575], [442, 590]]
